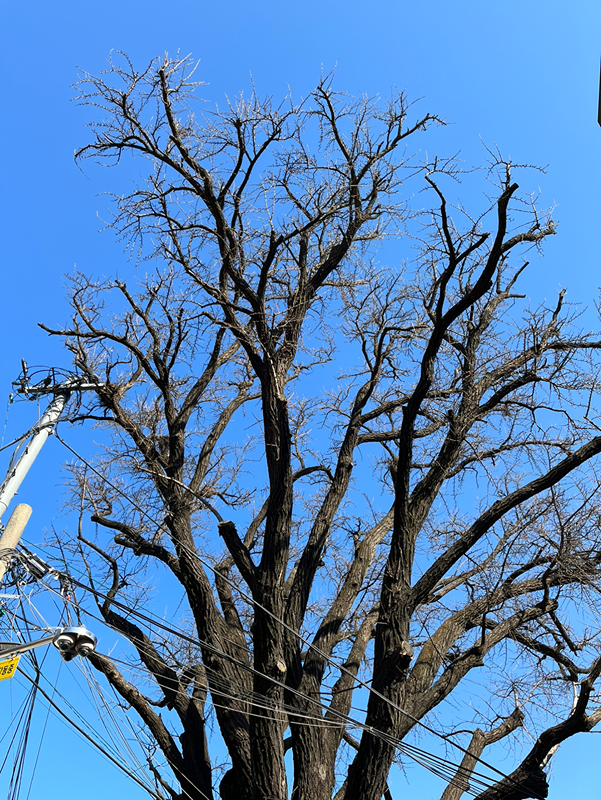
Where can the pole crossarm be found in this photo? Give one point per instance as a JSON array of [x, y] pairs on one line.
[[45, 428]]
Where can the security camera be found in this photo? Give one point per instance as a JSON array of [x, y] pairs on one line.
[[68, 655], [75, 641], [64, 642], [86, 643]]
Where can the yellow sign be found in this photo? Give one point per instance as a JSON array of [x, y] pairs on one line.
[[8, 667]]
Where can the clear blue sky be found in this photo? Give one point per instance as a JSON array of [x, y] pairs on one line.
[[522, 74]]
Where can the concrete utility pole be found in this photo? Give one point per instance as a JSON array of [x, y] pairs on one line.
[[12, 534], [43, 430], [71, 641]]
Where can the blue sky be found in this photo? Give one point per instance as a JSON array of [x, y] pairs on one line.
[[522, 74]]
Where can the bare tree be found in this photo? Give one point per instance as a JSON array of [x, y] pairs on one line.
[[360, 477]]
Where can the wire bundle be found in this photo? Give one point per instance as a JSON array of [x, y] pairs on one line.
[[472, 782]]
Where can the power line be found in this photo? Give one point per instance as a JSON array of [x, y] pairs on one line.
[[432, 762], [306, 642], [425, 758], [439, 766], [92, 741], [93, 735]]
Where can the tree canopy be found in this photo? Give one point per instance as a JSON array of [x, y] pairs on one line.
[[354, 462]]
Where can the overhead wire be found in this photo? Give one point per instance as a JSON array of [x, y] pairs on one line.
[[17, 440], [37, 756], [97, 689], [17, 782], [250, 600], [18, 769], [93, 742], [441, 767], [429, 760], [8, 404], [108, 748], [22, 716], [297, 634], [104, 745], [423, 757], [105, 713], [21, 735], [92, 734]]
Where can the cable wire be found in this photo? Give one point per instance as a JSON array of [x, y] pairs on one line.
[[432, 762], [91, 740], [207, 646], [441, 767], [306, 642]]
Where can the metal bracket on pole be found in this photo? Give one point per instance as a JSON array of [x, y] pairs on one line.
[[75, 641], [8, 649]]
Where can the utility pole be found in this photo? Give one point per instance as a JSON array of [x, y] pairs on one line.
[[12, 534], [60, 392], [71, 641], [42, 431]]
